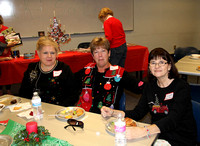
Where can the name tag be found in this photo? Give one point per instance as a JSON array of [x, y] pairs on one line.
[[113, 67], [57, 73], [169, 96]]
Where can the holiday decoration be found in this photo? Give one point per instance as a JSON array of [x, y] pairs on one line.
[[11, 36], [24, 137], [31, 127], [107, 86], [56, 33]]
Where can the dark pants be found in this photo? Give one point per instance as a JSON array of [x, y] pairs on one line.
[[8, 87], [118, 55]]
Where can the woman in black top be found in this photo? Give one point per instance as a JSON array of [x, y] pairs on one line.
[[168, 100], [53, 79]]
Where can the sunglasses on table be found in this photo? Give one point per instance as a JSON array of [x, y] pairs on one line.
[[74, 123]]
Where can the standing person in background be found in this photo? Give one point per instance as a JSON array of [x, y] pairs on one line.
[[3, 47], [114, 32], [5, 53], [52, 79]]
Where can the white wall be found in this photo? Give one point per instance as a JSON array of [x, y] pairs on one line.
[[157, 23]]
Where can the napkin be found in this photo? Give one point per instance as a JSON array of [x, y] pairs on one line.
[[26, 114], [161, 142], [20, 107]]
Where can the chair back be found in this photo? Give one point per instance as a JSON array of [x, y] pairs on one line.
[[84, 45], [196, 113], [195, 92], [122, 102]]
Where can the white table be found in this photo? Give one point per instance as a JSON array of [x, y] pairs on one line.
[[94, 132], [188, 66]]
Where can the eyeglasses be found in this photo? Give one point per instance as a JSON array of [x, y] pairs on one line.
[[74, 123], [161, 63]]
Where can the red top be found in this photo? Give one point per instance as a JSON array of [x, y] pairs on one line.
[[6, 53], [2, 39], [114, 32]]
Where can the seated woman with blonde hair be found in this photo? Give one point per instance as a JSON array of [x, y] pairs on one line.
[[52, 79]]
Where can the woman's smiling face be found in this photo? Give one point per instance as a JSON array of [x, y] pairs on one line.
[[47, 56], [159, 67]]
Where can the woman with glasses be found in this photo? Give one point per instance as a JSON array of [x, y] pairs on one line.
[[168, 100]]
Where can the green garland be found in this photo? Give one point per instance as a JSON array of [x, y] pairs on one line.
[[23, 139]]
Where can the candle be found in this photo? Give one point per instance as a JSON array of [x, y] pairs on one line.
[[31, 127]]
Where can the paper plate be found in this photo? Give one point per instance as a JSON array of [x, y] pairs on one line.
[[6, 140], [195, 56], [70, 113], [7, 101]]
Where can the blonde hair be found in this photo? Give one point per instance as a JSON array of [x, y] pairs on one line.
[[99, 42], [46, 41], [105, 12]]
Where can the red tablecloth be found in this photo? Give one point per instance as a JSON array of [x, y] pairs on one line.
[[13, 71]]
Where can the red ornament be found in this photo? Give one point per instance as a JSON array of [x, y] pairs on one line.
[[107, 86], [87, 71], [31, 127], [86, 96]]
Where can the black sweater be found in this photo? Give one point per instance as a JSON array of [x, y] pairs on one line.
[[55, 86], [175, 120]]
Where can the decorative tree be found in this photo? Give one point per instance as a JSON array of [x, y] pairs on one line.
[[156, 101], [56, 33]]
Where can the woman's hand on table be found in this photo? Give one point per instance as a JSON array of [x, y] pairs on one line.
[[138, 132], [108, 112], [135, 132]]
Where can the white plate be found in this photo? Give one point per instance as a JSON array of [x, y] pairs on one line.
[[110, 127], [1, 106], [69, 113], [195, 56], [20, 107], [7, 101]]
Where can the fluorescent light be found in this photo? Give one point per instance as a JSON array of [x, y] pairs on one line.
[[6, 8]]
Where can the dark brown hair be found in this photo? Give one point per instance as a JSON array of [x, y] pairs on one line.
[[160, 52], [1, 19], [99, 42]]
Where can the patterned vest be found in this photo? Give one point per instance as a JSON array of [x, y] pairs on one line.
[[108, 87]]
